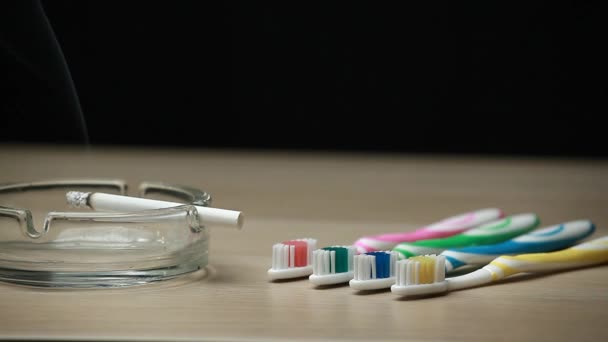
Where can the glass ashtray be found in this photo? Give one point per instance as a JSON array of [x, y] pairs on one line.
[[80, 248]]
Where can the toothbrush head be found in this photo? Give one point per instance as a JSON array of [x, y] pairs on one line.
[[374, 270], [332, 265], [420, 275], [292, 259]]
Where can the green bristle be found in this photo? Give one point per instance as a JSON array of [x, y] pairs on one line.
[[341, 258]]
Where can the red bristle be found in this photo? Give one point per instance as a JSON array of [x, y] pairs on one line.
[[301, 254]]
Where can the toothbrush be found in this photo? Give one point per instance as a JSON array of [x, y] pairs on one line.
[[332, 265], [544, 240], [426, 275], [366, 266], [292, 259], [443, 228], [489, 233], [374, 270]]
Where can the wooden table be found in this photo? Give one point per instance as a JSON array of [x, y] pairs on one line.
[[334, 198]]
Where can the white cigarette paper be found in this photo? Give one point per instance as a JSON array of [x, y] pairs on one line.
[[109, 202]]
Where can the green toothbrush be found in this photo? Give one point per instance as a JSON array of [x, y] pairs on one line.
[[490, 233]]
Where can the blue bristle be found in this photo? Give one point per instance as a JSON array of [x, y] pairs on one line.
[[383, 260], [385, 265]]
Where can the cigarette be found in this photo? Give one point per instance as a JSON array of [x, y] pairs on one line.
[[109, 202]]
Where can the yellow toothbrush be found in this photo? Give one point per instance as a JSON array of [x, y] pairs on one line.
[[426, 274]]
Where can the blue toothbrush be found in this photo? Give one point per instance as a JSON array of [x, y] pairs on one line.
[[543, 240]]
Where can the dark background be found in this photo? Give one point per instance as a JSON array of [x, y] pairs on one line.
[[483, 78]]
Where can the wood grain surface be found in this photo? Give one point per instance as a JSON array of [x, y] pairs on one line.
[[335, 198]]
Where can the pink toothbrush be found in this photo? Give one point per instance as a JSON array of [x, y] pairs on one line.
[[443, 228]]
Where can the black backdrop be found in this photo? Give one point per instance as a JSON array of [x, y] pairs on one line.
[[460, 78]]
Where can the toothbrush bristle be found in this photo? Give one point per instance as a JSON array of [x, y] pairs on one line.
[[298, 251], [292, 253], [332, 260], [426, 269], [374, 265]]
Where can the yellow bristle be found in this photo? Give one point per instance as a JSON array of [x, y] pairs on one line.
[[426, 274], [427, 264], [422, 275]]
